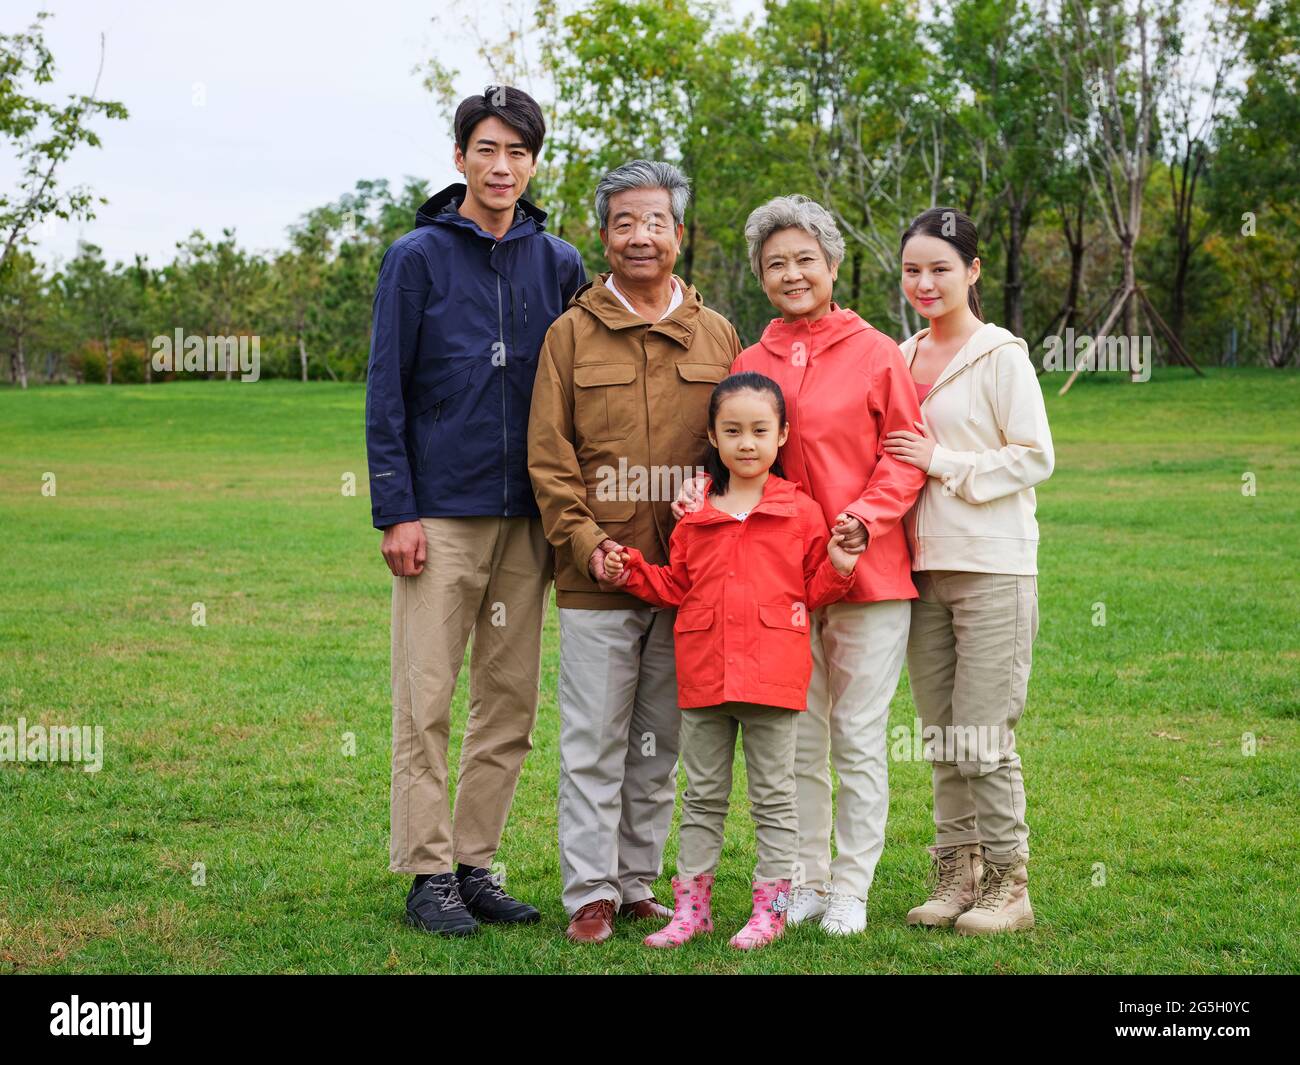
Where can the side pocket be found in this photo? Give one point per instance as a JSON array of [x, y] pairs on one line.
[[427, 409], [696, 648], [783, 641]]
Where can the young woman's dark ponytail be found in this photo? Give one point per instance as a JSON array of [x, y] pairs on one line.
[[740, 382], [950, 224]]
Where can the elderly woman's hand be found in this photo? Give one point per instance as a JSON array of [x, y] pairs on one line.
[[916, 449], [853, 533]]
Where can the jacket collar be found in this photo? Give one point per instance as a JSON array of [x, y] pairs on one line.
[[778, 499], [781, 336], [442, 208], [680, 326]]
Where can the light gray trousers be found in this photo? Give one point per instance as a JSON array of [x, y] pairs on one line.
[[619, 724]]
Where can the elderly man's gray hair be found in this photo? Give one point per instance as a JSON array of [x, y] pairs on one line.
[[792, 212], [643, 174]]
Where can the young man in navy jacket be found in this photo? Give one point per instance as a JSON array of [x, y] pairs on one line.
[[461, 307]]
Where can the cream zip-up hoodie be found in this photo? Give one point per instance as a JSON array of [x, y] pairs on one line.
[[986, 415]]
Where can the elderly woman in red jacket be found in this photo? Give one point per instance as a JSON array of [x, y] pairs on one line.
[[846, 386]]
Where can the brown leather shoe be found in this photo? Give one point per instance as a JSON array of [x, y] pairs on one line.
[[593, 923], [644, 910]]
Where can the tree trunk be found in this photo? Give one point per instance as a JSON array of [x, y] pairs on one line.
[[688, 259], [20, 358], [1012, 286], [302, 355]]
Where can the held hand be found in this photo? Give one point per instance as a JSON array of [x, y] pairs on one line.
[[616, 572], [916, 449], [852, 533], [844, 561], [615, 561], [405, 548], [596, 564], [689, 499]]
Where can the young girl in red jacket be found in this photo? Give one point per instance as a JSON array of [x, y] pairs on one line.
[[746, 571]]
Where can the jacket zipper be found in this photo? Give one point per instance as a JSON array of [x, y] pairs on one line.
[[925, 488], [505, 431]]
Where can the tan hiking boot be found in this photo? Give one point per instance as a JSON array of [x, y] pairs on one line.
[[1003, 903], [953, 882]]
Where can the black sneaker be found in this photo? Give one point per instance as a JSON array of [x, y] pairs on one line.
[[436, 906], [486, 900]]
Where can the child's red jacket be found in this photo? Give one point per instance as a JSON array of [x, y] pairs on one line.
[[745, 591]]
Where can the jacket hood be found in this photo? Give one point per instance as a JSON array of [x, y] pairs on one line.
[[596, 299], [442, 206], [781, 336], [779, 497], [984, 341]]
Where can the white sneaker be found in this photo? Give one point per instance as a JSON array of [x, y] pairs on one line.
[[845, 915], [805, 904]]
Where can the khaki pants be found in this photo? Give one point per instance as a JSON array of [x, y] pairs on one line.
[[968, 659], [858, 651], [619, 725], [708, 752], [489, 576]]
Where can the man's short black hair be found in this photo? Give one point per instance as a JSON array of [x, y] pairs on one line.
[[513, 106]]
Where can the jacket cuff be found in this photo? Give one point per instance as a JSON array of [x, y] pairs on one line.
[[584, 543], [946, 464], [383, 521], [862, 512]]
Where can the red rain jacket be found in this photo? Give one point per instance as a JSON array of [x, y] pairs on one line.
[[846, 385], [744, 592]]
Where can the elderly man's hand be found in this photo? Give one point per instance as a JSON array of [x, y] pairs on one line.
[[596, 564]]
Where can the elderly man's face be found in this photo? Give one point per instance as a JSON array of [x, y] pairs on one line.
[[641, 239]]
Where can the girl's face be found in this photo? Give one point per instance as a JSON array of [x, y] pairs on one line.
[[935, 280], [795, 275], [747, 433]]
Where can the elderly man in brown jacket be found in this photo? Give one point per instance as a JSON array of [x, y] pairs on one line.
[[618, 420]]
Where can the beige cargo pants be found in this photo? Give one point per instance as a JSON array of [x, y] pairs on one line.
[[491, 577]]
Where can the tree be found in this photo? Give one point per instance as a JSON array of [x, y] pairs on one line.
[[42, 135], [22, 309]]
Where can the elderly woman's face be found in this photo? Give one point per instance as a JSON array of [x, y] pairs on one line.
[[795, 274], [641, 239]]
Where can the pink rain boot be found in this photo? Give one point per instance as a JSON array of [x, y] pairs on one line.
[[771, 900], [692, 915]]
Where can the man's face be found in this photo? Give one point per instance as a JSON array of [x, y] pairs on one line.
[[641, 239], [496, 163]]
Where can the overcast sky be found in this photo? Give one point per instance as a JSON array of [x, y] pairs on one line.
[[245, 113]]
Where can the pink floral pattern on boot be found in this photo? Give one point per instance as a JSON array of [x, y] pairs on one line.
[[692, 913], [771, 900]]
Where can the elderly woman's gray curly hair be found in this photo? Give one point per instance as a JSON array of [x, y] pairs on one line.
[[792, 212]]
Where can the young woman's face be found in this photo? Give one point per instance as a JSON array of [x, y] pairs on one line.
[[795, 274], [747, 433], [935, 280]]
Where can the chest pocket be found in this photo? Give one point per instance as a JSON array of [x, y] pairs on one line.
[[604, 402], [697, 380]]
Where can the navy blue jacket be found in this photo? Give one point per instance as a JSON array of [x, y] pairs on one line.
[[459, 318]]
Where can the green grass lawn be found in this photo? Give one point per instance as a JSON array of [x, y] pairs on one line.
[[1159, 846]]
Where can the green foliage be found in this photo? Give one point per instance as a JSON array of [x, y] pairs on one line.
[[1013, 111]]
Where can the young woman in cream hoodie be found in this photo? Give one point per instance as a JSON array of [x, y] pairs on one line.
[[984, 442]]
